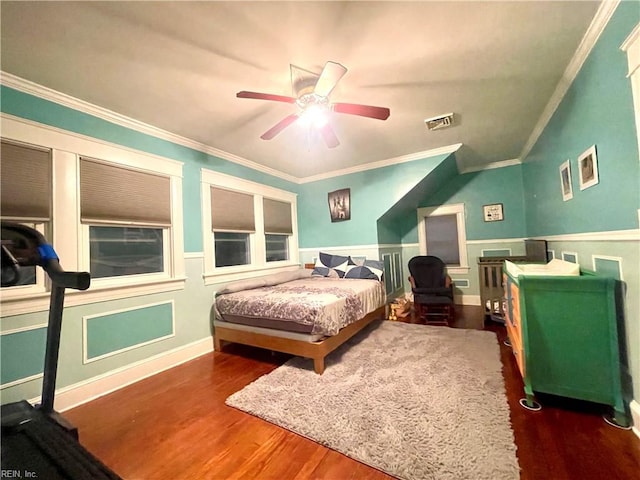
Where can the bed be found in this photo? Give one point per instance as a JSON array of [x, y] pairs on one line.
[[305, 312]]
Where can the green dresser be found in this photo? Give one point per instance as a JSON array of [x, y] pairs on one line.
[[564, 331]]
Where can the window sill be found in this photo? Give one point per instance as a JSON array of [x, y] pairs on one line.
[[40, 302], [247, 271]]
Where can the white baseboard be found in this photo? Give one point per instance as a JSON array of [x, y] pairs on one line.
[[87, 390], [468, 300], [635, 416]]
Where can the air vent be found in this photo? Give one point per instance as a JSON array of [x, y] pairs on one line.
[[440, 122]]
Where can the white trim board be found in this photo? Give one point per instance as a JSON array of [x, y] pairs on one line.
[[31, 88], [635, 415], [607, 257], [491, 166], [468, 300], [384, 163], [85, 330], [93, 388], [610, 236]]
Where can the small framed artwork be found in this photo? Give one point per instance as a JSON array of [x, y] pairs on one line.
[[340, 205], [588, 168], [493, 212], [565, 181]]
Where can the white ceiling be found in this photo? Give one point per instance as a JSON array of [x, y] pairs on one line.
[[178, 66]]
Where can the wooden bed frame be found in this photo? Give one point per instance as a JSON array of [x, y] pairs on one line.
[[314, 350]]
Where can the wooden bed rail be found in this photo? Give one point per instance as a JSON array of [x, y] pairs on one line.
[[316, 351]]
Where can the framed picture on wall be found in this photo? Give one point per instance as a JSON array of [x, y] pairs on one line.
[[493, 212], [565, 181], [588, 168], [340, 205]]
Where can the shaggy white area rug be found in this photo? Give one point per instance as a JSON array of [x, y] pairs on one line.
[[415, 401]]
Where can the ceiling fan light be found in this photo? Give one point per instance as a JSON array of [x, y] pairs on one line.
[[315, 115]]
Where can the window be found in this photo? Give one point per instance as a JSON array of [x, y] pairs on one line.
[[126, 215], [277, 247], [232, 223], [247, 227], [441, 233], [231, 249], [118, 251], [25, 195], [442, 238], [112, 211], [278, 229]]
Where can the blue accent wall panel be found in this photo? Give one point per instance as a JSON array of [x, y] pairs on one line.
[[22, 354], [118, 331]]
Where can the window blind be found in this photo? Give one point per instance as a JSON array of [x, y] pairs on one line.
[[232, 211], [277, 217], [442, 238], [25, 182], [114, 194]]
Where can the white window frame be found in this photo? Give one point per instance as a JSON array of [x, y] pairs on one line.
[[41, 286], [213, 274], [123, 280], [631, 46], [456, 209], [66, 232]]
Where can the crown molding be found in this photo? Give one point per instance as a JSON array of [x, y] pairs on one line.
[[633, 36], [492, 165], [384, 163], [599, 22], [31, 88]]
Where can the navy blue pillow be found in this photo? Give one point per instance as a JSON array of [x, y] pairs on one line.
[[370, 270], [328, 265]]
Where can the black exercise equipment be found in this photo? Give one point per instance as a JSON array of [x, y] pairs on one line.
[[38, 442]]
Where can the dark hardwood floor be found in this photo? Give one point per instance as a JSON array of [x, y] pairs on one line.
[[175, 425]]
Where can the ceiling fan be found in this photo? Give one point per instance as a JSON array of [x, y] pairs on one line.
[[313, 101]]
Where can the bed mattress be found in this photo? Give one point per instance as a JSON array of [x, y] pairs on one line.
[[313, 305]]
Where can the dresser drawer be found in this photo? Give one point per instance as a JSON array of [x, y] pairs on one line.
[[518, 353]]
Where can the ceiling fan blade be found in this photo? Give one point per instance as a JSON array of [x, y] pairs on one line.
[[329, 77], [265, 96], [329, 136], [380, 113], [278, 127]]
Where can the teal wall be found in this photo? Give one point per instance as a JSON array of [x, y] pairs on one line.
[[112, 332], [393, 225], [22, 353], [373, 192], [49, 113], [475, 189], [597, 110]]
